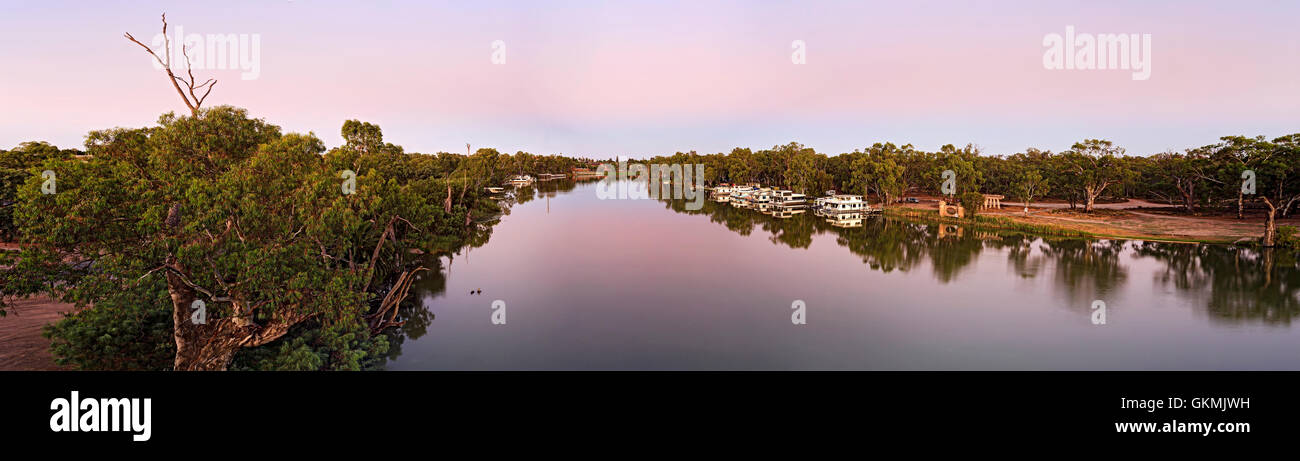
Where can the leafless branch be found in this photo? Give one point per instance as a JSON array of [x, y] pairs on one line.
[[193, 101]]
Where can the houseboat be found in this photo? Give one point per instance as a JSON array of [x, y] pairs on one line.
[[520, 180], [789, 199], [842, 204], [762, 200], [721, 193], [741, 196], [786, 203]]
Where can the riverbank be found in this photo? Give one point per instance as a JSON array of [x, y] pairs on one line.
[[1114, 221], [21, 345]]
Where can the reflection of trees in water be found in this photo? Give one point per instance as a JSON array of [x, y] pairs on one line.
[[415, 314], [1234, 284], [539, 190], [1023, 257], [949, 255], [1231, 283], [1086, 270], [794, 232], [885, 244], [432, 283]]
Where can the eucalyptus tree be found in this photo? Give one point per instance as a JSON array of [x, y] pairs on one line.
[[1236, 155], [878, 171], [961, 162], [1029, 185], [243, 232], [1096, 164], [1288, 155], [1177, 177], [16, 167]]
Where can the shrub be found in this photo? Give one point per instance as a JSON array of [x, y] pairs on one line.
[[971, 201], [1288, 237]]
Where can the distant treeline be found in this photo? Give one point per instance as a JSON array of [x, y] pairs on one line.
[[1208, 176]]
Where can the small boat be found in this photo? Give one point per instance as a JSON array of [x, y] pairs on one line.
[[521, 180]]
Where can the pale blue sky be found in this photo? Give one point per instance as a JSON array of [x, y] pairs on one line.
[[644, 78]]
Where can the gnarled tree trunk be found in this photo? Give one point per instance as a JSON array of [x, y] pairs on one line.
[[210, 345], [1270, 228]]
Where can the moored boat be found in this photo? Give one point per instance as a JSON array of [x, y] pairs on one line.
[[520, 180]]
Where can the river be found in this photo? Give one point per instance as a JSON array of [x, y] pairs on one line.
[[584, 283]]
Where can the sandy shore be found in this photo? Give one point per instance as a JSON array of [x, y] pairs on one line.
[[1133, 219], [21, 345]]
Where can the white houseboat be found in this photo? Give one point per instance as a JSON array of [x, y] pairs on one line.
[[841, 204], [520, 180], [721, 193]]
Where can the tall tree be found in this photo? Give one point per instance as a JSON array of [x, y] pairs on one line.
[[1096, 164]]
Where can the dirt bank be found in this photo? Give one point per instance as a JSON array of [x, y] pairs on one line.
[[1134, 219], [21, 345]]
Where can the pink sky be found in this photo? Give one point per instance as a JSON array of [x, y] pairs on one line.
[[644, 78]]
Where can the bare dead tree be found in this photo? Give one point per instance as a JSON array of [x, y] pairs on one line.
[[192, 100]]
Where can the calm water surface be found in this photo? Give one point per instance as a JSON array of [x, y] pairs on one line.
[[644, 284]]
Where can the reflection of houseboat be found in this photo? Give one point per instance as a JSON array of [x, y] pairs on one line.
[[786, 212], [786, 203], [846, 220]]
